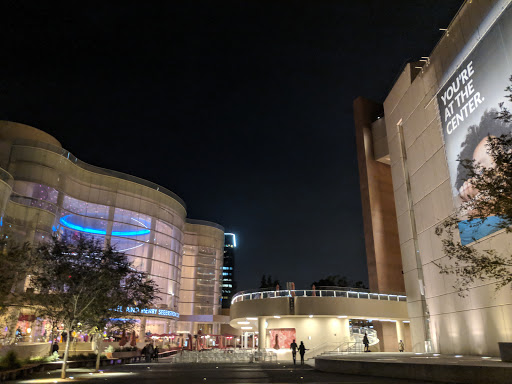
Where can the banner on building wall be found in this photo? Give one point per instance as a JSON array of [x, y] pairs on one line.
[[468, 104]]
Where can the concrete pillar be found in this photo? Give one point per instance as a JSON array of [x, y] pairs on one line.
[[400, 331], [262, 336], [110, 224], [142, 329]]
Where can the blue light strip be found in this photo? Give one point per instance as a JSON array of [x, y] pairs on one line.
[[64, 221]]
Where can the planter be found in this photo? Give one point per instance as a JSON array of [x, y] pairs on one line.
[[506, 351], [123, 355]]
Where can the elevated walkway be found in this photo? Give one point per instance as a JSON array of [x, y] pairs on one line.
[[428, 367]]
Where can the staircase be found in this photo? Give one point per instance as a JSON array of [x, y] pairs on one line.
[[352, 345]]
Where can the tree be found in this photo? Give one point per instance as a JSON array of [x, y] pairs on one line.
[[263, 283], [16, 264], [338, 281], [505, 113], [268, 283], [491, 195], [486, 193], [82, 281]]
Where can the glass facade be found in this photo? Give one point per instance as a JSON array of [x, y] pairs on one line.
[[144, 223], [228, 270], [45, 190], [202, 268]]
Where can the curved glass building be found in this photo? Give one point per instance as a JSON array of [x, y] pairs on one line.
[[44, 190]]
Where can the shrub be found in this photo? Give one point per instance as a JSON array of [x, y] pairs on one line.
[[109, 349], [54, 356], [10, 361]]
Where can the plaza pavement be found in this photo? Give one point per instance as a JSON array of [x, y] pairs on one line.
[[191, 373], [420, 366]]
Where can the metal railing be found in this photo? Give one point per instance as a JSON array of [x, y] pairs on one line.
[[224, 356], [33, 202], [350, 293], [92, 168]]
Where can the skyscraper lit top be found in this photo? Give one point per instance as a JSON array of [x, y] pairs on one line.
[[228, 270]]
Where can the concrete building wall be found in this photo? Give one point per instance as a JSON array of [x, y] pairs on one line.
[[377, 200], [320, 306], [423, 196], [314, 332]]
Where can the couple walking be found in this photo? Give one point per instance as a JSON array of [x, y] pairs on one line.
[[302, 350]]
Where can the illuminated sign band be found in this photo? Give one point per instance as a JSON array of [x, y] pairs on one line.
[[67, 222], [149, 311]]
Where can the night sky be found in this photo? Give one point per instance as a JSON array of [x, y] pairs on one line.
[[242, 108]]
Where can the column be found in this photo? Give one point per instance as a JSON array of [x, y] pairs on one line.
[[110, 224], [400, 331], [142, 335], [262, 335]]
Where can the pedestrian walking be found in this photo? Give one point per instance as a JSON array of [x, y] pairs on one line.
[[149, 353], [401, 346], [55, 346], [293, 347], [155, 353], [302, 351], [366, 343]]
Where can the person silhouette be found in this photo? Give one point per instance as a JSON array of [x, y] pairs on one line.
[[293, 347], [302, 351]]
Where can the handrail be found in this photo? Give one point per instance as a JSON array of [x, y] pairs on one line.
[[341, 292], [6, 177], [92, 168]]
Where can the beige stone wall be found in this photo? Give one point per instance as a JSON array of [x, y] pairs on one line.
[[321, 306], [203, 252], [10, 131], [378, 205], [471, 325]]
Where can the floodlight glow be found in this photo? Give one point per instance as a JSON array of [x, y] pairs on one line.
[[234, 238], [65, 222]]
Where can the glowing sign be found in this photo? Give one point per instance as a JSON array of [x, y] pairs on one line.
[[148, 311], [234, 238], [65, 221]]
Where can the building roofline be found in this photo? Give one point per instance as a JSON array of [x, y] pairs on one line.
[[206, 223]]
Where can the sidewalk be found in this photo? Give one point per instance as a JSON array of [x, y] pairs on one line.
[[434, 367]]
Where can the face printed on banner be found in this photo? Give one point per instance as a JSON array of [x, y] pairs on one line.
[[481, 157], [469, 102]]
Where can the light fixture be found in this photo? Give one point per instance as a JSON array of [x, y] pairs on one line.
[[243, 322], [251, 318], [246, 327], [310, 316], [342, 317], [277, 317]]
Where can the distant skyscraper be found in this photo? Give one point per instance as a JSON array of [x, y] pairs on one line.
[[228, 270]]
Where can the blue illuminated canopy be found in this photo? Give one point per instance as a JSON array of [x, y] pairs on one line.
[[66, 221]]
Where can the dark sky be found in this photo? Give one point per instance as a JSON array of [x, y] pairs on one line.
[[242, 108]]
